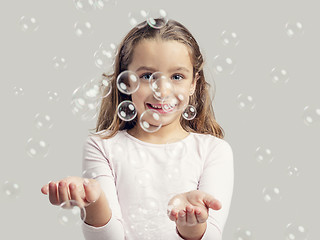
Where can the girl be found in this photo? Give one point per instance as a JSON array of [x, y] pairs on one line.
[[173, 183]]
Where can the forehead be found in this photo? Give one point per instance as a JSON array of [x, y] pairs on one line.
[[161, 54]]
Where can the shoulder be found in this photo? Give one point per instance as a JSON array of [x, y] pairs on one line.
[[103, 137]]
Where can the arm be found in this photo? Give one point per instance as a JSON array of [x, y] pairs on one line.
[[104, 218]]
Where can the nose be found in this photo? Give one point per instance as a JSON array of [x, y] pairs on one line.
[[163, 88]]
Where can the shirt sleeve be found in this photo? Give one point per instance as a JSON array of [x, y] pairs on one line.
[[96, 165], [217, 179]]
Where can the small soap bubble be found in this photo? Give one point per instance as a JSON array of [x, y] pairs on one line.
[[263, 155], [127, 110], [294, 29], [296, 232], [11, 189], [137, 17], [189, 113], [53, 96], [37, 148], [311, 115], [223, 65], [102, 3], [143, 178], [18, 91], [229, 38], [243, 234], [245, 102], [128, 82], [279, 75], [150, 120], [173, 173], [157, 18], [43, 121], [138, 158], [106, 86], [85, 5], [71, 213], [271, 194], [59, 63], [104, 56], [293, 171], [83, 29], [175, 148], [28, 24]]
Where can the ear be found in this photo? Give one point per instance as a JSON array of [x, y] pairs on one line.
[[194, 84]]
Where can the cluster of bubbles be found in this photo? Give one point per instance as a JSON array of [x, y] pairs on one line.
[[163, 90]]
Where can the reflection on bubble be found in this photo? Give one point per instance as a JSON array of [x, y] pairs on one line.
[[143, 178], [83, 29], [43, 121], [243, 234], [136, 17], [223, 65], [71, 213], [11, 189], [106, 86], [294, 29], [37, 148], [311, 116], [28, 24], [263, 155], [245, 102], [126, 110], [189, 113], [293, 171], [18, 91], [150, 121], [271, 194], [59, 63], [128, 82], [53, 96], [296, 232], [279, 75], [157, 18], [229, 38]]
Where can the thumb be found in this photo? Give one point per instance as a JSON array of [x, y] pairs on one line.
[[212, 203], [92, 190]]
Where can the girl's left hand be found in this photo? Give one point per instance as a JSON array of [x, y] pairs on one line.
[[191, 208]]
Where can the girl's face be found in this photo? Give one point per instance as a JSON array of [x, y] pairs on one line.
[[173, 60]]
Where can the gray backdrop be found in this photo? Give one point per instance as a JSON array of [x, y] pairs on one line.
[[268, 106]]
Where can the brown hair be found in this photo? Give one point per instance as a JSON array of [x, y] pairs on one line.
[[204, 122]]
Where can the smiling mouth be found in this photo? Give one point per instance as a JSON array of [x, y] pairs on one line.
[[161, 108]]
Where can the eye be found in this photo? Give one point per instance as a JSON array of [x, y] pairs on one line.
[[146, 76], [177, 77]]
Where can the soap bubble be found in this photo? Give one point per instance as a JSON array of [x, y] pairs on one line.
[[11, 189], [128, 82], [28, 24], [157, 19], [127, 110], [243, 234], [279, 75], [71, 213], [85, 5], [245, 102], [143, 178], [293, 171], [294, 29], [189, 113], [83, 29], [59, 63], [271, 194], [296, 232], [106, 85], [223, 65], [311, 115], [263, 155], [139, 157], [175, 148], [136, 17], [161, 86], [37, 148], [18, 91], [53, 96], [104, 56], [150, 120], [229, 38], [43, 121]]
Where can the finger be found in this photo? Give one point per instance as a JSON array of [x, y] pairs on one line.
[[74, 194], [63, 192], [173, 215], [181, 218], [92, 190], [212, 203], [45, 189], [53, 195], [201, 215], [191, 218]]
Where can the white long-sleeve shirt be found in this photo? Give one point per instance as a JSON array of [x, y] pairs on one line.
[[139, 179]]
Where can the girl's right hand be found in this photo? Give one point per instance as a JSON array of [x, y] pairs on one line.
[[84, 191]]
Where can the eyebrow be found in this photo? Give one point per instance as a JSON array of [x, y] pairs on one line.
[[171, 70]]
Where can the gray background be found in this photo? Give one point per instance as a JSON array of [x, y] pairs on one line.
[[276, 123]]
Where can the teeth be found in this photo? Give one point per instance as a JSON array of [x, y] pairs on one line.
[[155, 106]]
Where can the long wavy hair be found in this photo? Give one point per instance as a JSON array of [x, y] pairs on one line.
[[204, 122]]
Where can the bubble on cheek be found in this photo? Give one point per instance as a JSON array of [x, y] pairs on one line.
[[128, 82], [126, 111]]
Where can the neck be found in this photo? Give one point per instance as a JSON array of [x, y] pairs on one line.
[[164, 135]]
